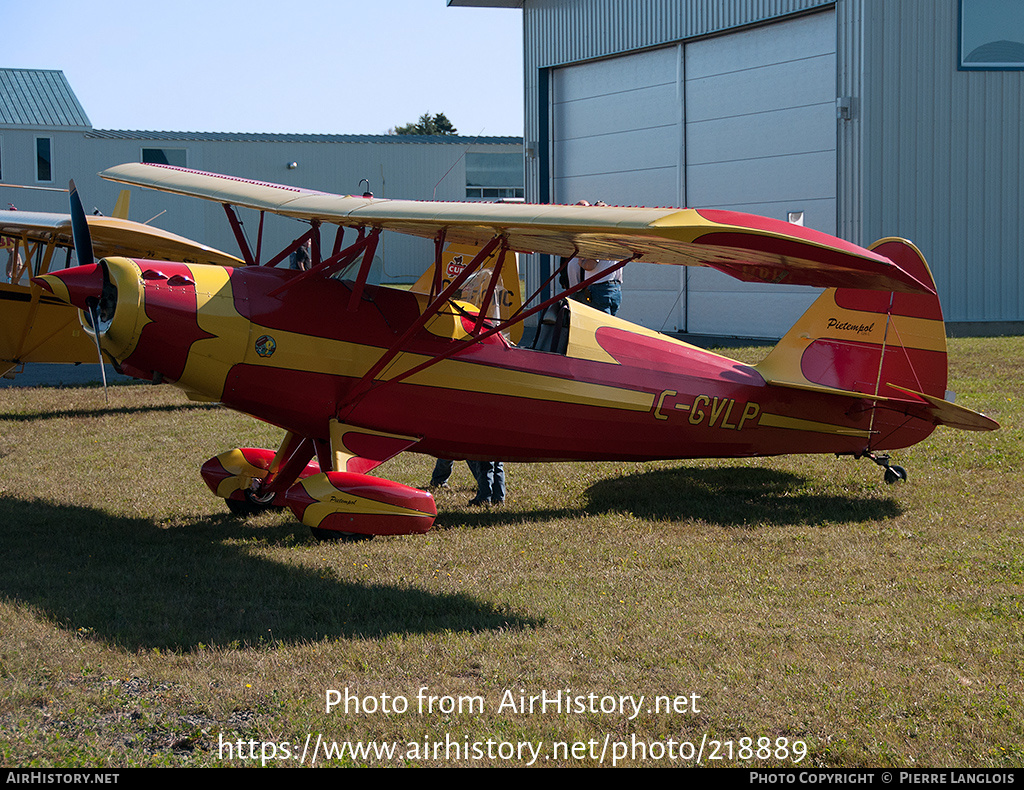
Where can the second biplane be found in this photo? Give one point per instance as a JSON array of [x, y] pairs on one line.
[[356, 374], [36, 327]]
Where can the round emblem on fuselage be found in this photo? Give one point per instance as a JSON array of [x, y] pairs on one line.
[[265, 345]]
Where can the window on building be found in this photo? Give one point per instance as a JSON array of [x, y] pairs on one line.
[[165, 156], [494, 176], [992, 35], [44, 159]]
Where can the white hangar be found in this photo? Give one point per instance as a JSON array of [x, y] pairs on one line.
[[46, 140], [861, 118]]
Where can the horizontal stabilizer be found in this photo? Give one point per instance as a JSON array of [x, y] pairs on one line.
[[920, 405], [946, 413]]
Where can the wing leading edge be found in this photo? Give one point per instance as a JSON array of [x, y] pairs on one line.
[[745, 246]]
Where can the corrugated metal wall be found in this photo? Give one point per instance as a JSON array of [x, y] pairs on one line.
[[558, 32], [942, 156], [927, 152], [849, 131], [561, 32]]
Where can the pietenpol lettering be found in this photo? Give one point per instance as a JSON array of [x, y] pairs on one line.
[[846, 326]]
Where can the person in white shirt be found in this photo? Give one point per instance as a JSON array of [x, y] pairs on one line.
[[605, 293]]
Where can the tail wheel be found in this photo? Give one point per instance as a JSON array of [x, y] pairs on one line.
[[895, 474]]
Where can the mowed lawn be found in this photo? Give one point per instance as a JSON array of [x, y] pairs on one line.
[[767, 612]]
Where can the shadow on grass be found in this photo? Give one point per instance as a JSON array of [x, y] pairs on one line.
[[103, 411], [128, 582], [733, 496]]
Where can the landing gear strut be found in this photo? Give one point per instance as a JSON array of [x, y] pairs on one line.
[[893, 474]]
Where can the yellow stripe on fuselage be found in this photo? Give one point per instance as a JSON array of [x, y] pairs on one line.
[[769, 420], [211, 359], [296, 351], [489, 380]]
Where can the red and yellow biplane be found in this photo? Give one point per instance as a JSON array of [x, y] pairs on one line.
[[355, 373], [35, 326]]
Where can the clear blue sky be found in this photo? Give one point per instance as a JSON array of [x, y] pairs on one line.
[[315, 66]]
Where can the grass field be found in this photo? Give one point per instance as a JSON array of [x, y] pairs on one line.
[[770, 612]]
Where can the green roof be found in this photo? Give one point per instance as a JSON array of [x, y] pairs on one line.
[[39, 97]]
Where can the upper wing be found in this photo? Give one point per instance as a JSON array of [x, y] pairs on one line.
[[112, 236], [748, 247]]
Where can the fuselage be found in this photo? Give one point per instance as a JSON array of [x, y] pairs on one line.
[[297, 354]]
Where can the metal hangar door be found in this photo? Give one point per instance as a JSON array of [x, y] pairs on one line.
[[744, 121]]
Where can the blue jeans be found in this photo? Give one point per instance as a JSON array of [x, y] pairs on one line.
[[606, 297], [443, 470], [490, 480]]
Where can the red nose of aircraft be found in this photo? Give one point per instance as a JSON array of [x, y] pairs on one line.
[[74, 286]]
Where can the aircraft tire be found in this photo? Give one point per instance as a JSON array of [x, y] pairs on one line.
[[248, 506], [895, 474]]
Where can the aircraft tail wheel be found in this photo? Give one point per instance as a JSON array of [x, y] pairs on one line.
[[895, 474]]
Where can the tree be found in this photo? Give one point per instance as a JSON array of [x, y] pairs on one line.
[[428, 124]]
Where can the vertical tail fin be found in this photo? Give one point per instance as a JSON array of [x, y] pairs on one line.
[[864, 341], [888, 346], [123, 202]]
